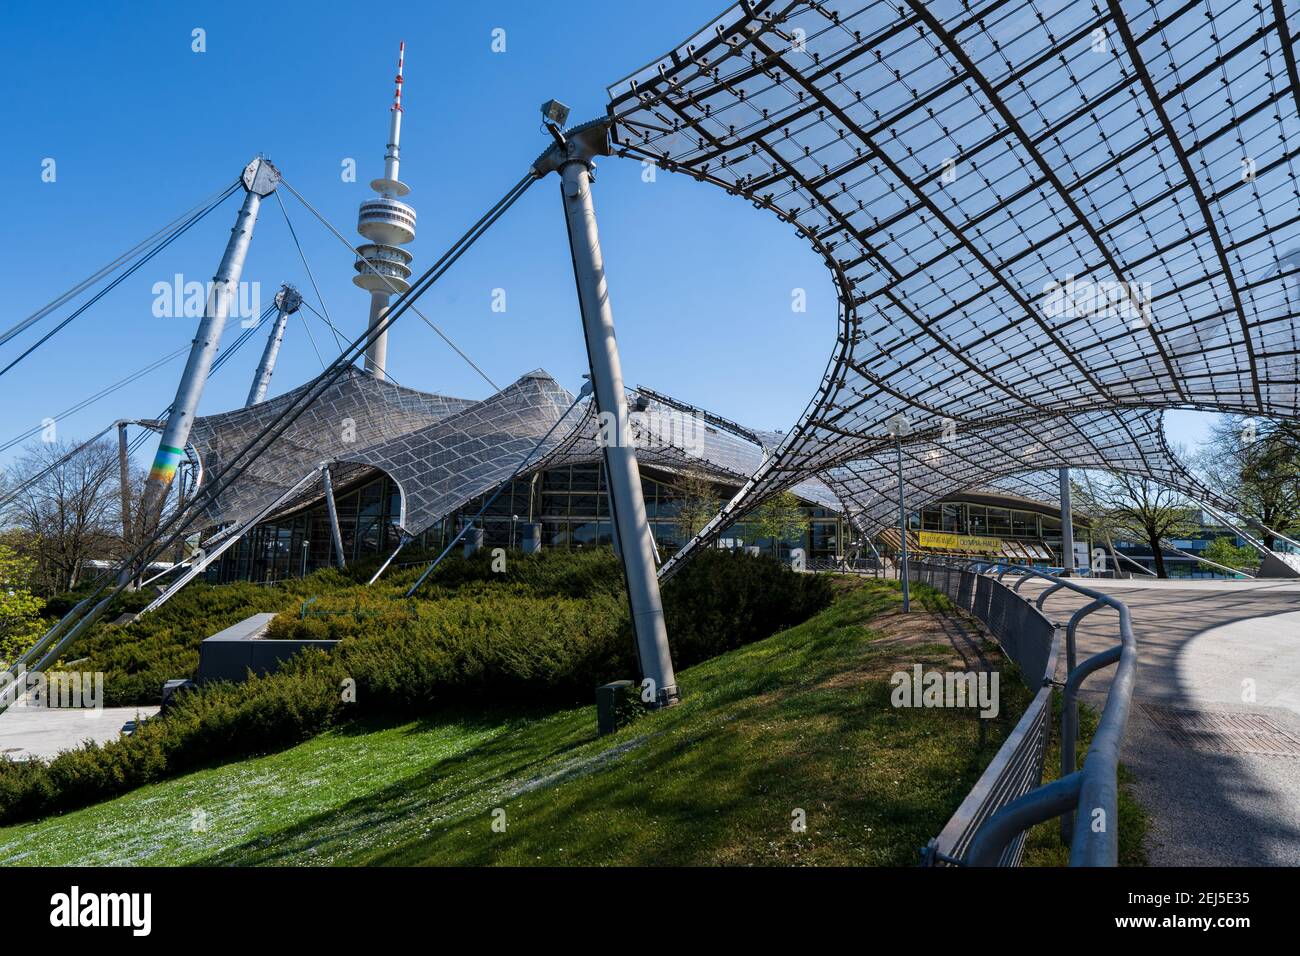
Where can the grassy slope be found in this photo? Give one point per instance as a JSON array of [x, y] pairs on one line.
[[800, 720]]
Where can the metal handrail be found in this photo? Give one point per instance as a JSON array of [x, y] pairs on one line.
[[1090, 795]]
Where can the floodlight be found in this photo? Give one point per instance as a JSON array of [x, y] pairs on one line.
[[553, 111]]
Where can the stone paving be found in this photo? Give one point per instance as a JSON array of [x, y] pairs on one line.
[[1214, 738], [39, 733]]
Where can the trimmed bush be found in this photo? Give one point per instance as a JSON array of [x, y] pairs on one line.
[[550, 630], [724, 599]]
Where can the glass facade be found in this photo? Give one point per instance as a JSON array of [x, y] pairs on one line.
[[1023, 530], [965, 517], [571, 502]]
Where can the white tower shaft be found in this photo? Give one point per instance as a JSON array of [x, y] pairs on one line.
[[384, 267], [377, 351]]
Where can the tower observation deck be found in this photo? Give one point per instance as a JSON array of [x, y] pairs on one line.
[[389, 224]]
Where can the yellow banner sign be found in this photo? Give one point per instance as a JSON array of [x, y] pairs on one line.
[[958, 542]]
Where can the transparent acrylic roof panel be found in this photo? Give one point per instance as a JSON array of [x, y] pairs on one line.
[[1027, 208]]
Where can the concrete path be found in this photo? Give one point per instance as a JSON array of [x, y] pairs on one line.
[[39, 733], [1214, 738]]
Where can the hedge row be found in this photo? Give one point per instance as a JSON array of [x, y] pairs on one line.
[[551, 632]]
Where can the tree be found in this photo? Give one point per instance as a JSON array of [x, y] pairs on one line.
[[20, 609], [1224, 550], [1140, 509], [779, 518], [65, 513], [699, 504], [1257, 465]]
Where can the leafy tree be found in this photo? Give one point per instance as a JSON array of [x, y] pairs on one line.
[[1141, 510], [1256, 464], [699, 504], [66, 512], [1224, 550], [20, 609], [779, 518]]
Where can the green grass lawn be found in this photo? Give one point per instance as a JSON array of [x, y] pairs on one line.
[[799, 724]]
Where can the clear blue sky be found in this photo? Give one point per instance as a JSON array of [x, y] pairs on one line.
[[141, 128]]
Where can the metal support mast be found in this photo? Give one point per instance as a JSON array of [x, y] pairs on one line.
[[260, 179], [124, 478], [332, 509], [287, 302], [900, 428], [572, 157], [1067, 525]]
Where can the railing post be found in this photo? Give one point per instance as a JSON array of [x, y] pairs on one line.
[[1070, 713], [1046, 594], [1019, 815]]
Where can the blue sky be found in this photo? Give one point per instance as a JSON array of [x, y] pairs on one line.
[[141, 128]]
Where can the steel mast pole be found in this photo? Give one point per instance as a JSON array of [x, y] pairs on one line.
[[260, 179], [902, 529], [899, 427], [1067, 525], [573, 158], [287, 301], [124, 480], [332, 509]]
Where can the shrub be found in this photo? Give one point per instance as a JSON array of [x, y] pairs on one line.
[[725, 599], [551, 630]]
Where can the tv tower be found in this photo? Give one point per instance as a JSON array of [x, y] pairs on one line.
[[389, 224]]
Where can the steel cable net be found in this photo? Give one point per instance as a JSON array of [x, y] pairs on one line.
[[445, 452], [1040, 219]]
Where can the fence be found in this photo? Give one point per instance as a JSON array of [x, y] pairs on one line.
[[990, 826]]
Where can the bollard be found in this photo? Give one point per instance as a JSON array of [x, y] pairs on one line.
[[612, 703]]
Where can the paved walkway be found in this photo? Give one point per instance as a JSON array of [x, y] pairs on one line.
[[30, 733], [1214, 741]]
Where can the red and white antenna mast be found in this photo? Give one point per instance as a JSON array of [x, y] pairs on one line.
[[389, 224]]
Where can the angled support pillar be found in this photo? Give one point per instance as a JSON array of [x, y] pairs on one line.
[[287, 302], [572, 157], [402, 538], [124, 476], [215, 549], [124, 479], [260, 179], [332, 508], [179, 553]]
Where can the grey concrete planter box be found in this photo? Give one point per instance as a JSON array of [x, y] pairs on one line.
[[230, 654]]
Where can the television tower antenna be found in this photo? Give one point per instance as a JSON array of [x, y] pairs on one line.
[[389, 224]]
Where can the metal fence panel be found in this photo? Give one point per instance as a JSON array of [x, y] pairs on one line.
[[1029, 640], [973, 836], [1020, 629]]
